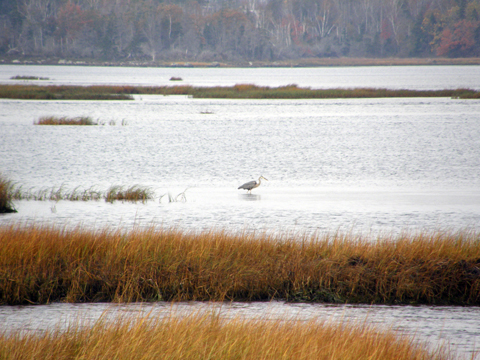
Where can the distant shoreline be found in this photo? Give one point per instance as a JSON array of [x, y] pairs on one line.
[[309, 62]]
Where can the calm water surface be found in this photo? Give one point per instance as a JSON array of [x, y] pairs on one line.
[[370, 166], [363, 165], [391, 77]]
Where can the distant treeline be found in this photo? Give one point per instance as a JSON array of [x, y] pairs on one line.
[[235, 30]]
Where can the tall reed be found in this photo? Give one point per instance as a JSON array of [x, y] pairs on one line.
[[41, 264], [203, 336], [115, 192], [6, 197]]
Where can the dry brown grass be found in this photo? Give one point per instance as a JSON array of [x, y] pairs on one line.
[[64, 92], [41, 264], [239, 91], [133, 193], [64, 120], [201, 336]]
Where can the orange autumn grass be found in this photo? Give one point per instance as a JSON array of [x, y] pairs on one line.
[[42, 263], [207, 336]]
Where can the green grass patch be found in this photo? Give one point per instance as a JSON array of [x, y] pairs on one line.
[[42, 264]]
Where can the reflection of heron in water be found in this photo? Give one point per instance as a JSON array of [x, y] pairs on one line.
[[252, 184]]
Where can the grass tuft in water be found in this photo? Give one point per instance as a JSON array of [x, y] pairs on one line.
[[28, 77], [133, 193], [209, 336], [64, 120]]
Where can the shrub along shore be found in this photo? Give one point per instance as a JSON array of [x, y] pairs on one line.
[[43, 263], [208, 336], [241, 91]]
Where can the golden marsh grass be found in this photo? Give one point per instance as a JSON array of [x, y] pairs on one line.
[[204, 336], [43, 263]]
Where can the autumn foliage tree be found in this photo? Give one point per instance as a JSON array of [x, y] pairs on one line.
[[243, 30], [460, 41], [71, 20]]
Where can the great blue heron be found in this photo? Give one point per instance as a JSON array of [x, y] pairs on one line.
[[252, 184]]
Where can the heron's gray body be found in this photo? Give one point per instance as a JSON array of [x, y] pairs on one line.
[[252, 184]]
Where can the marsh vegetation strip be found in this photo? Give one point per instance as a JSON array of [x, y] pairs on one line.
[[209, 336], [42, 264], [239, 91], [33, 92]]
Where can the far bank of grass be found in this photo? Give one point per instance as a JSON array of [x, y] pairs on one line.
[[208, 336], [53, 92], [240, 91], [42, 264]]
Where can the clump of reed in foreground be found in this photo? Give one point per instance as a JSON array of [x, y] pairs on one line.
[[6, 205], [203, 336], [42, 264], [64, 120]]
